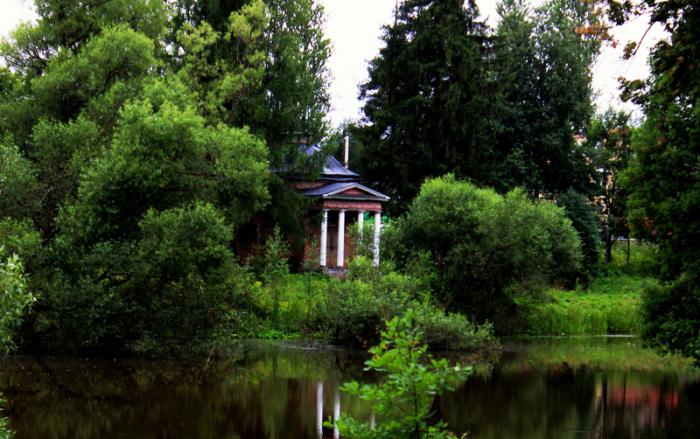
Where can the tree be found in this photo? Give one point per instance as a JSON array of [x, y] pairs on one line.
[[226, 68], [20, 188], [663, 179], [425, 105], [586, 224], [277, 54], [485, 249], [146, 241], [66, 25], [297, 78], [542, 68], [609, 144]]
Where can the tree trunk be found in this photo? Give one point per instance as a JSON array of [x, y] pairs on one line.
[[608, 245]]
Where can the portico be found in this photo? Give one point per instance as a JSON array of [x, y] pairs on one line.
[[341, 201]]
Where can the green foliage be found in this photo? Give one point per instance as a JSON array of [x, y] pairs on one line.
[[297, 77], [70, 82], [132, 253], [672, 317], [134, 165], [261, 64], [586, 224], [20, 190], [276, 265], [635, 258], [15, 300], [610, 305], [453, 331], [21, 238], [5, 432], [127, 294], [403, 400], [185, 264], [662, 178], [424, 98], [609, 143], [353, 311], [230, 84], [500, 108], [485, 249], [350, 312], [542, 96]]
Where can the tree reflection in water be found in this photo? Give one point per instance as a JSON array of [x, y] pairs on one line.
[[540, 390]]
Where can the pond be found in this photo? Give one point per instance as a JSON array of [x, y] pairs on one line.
[[559, 388]]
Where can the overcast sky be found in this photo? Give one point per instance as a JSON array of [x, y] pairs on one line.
[[354, 28]]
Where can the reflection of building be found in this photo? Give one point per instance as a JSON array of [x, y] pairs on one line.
[[632, 408], [341, 200]]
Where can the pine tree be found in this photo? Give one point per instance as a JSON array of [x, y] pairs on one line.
[[425, 103]]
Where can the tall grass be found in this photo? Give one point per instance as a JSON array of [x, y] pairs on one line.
[[611, 305]]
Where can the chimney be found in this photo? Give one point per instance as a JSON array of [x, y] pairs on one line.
[[347, 149]]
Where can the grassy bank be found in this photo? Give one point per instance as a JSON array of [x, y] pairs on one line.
[[352, 312], [610, 304]]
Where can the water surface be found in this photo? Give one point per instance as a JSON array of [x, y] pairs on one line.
[[558, 388]]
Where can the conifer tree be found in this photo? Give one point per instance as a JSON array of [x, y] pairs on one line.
[[425, 105]]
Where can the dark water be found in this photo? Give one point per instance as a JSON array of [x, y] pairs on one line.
[[558, 388]]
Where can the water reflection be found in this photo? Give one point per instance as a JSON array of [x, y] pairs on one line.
[[540, 390]]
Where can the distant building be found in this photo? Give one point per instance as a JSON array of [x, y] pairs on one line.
[[340, 200]]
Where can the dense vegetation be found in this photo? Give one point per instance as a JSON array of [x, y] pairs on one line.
[[480, 250], [663, 179], [137, 139], [499, 107]]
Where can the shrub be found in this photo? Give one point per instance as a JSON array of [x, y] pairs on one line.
[[403, 400], [169, 291], [445, 330], [354, 310], [672, 317], [14, 300], [5, 432], [484, 248]]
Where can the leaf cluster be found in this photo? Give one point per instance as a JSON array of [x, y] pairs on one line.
[[412, 379]]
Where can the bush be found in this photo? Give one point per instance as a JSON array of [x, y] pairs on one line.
[[672, 317], [483, 249], [14, 300], [354, 311], [170, 291], [443, 330]]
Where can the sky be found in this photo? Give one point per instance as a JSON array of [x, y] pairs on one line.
[[354, 29]]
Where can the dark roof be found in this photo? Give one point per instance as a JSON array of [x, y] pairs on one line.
[[334, 190], [332, 168]]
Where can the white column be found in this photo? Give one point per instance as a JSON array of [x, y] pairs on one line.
[[319, 409], [360, 221], [336, 414], [377, 231], [324, 238], [341, 238]]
